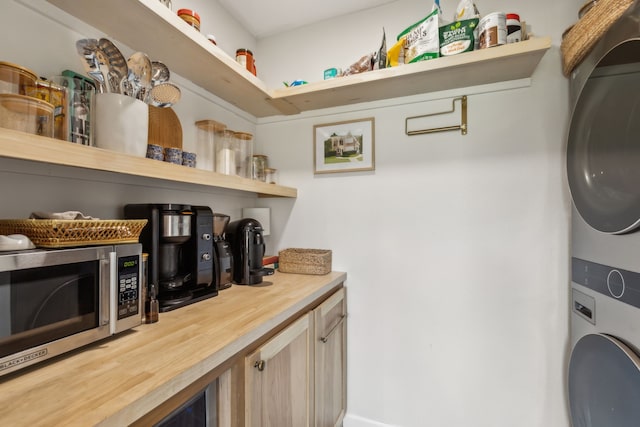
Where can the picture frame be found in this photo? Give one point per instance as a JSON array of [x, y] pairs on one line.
[[347, 146]]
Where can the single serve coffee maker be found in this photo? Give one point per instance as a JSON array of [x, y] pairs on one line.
[[247, 248], [179, 241]]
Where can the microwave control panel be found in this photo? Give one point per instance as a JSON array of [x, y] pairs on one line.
[[128, 285]]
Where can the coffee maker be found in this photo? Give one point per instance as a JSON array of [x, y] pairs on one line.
[[179, 241], [223, 259], [247, 248]]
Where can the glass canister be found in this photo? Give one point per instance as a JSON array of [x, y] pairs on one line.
[[26, 114], [271, 175], [258, 165], [15, 78], [244, 153], [225, 152], [56, 95], [208, 131]]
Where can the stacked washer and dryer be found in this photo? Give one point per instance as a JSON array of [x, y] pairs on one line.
[[603, 168]]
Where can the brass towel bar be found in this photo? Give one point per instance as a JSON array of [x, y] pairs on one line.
[[462, 126]]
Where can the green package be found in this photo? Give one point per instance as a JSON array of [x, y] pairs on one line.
[[458, 37]]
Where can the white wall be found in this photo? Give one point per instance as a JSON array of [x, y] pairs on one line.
[[456, 247]]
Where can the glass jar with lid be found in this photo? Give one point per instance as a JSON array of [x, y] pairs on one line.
[[244, 153], [258, 165], [208, 132], [271, 175], [225, 152]]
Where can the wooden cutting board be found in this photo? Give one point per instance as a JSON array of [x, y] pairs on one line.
[[164, 128]]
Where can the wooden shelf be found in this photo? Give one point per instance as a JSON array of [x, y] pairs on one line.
[[24, 146], [503, 63], [150, 26]]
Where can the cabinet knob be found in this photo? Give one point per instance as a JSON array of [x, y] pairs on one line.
[[260, 365]]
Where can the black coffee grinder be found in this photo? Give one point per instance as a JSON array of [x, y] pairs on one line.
[[222, 250], [179, 241], [247, 248]]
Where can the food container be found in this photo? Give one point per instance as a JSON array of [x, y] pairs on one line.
[[207, 133], [304, 261], [258, 166], [514, 28], [190, 17], [225, 156], [244, 57], [56, 95], [26, 114], [492, 30], [271, 175], [15, 79], [244, 153]]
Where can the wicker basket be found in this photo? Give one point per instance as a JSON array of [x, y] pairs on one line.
[[59, 233], [581, 38], [304, 261]]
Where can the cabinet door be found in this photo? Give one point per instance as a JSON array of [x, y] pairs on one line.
[[330, 361], [278, 387]]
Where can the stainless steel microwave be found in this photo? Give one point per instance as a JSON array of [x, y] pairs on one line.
[[56, 300]]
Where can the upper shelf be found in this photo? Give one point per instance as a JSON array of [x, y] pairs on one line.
[[149, 25], [24, 146]]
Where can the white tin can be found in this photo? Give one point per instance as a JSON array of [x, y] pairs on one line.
[[492, 30]]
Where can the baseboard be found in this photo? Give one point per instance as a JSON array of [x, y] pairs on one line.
[[356, 421]]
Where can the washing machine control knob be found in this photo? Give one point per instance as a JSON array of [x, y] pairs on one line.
[[615, 283]]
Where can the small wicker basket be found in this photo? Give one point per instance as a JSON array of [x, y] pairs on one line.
[[304, 261], [61, 233]]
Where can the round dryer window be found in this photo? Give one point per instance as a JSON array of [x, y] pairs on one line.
[[604, 383], [603, 151]]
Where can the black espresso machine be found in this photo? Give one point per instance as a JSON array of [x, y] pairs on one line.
[[179, 241], [247, 246]]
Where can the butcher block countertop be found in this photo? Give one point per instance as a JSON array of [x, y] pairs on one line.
[[116, 381]]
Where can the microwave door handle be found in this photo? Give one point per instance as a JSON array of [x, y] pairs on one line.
[[113, 291], [104, 311]]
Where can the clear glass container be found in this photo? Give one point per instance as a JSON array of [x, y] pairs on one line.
[[225, 152], [258, 165], [208, 131], [15, 78], [244, 153], [271, 175], [26, 114]]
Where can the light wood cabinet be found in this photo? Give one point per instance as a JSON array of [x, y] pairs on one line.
[[298, 378], [330, 356], [278, 379]]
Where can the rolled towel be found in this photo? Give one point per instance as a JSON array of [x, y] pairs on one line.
[[60, 215]]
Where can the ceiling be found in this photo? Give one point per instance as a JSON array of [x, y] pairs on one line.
[[265, 18]]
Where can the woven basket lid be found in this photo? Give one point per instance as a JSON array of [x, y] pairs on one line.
[[579, 41]]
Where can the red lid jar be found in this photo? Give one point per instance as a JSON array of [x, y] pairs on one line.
[[190, 17]]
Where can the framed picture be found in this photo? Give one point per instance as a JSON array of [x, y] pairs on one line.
[[344, 146]]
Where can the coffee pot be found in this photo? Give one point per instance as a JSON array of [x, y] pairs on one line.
[[247, 247]]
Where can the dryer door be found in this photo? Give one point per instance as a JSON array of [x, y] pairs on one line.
[[604, 383], [603, 152]]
